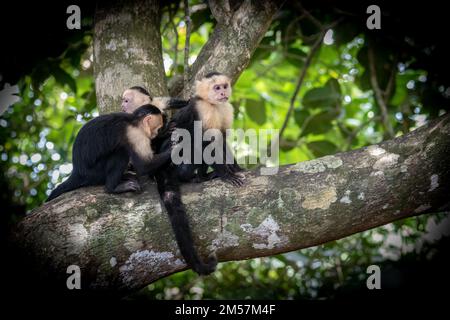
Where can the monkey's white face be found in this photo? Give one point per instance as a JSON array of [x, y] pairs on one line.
[[133, 99], [219, 92], [215, 90]]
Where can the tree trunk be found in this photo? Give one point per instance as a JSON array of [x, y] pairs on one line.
[[123, 243], [127, 51]]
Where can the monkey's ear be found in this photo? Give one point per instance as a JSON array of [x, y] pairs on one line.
[[148, 124], [148, 119]]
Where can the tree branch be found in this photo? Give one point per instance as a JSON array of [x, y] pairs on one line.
[[379, 94], [232, 44], [175, 33], [127, 50], [308, 60], [221, 10], [123, 243], [187, 43]]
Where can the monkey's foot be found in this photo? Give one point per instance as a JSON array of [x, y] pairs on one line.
[[131, 185], [234, 179]]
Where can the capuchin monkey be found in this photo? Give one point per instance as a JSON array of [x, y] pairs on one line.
[[210, 105], [105, 145], [136, 96]]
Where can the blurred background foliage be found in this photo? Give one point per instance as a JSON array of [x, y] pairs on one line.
[[339, 64]]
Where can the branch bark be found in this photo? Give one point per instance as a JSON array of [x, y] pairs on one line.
[[127, 50], [123, 243], [232, 43], [188, 22]]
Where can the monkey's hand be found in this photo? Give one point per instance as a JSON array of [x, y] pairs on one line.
[[130, 185], [233, 168], [234, 179]]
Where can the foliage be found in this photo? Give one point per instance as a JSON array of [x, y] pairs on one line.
[[335, 110], [37, 133]]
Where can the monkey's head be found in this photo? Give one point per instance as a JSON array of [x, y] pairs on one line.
[[135, 97], [215, 88], [150, 119]]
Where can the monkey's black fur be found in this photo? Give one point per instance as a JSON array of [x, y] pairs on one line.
[[141, 90], [101, 153], [169, 191], [188, 172], [212, 74], [169, 180]]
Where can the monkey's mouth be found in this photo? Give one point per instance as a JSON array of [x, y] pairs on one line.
[[224, 99]]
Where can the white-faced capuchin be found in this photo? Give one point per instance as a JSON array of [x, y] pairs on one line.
[[106, 144], [209, 105], [137, 96]]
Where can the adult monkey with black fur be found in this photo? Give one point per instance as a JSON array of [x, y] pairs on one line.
[[105, 145], [134, 97], [210, 106]]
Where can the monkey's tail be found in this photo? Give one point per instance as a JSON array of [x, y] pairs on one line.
[[171, 196], [72, 183]]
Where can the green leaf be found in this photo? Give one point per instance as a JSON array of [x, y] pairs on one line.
[[325, 97], [262, 53], [288, 144], [322, 148], [346, 31], [39, 75], [383, 67], [198, 18], [319, 123], [300, 116], [63, 78], [296, 57], [256, 111]]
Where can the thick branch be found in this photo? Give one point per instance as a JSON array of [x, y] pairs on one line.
[[127, 50], [125, 242], [221, 10], [232, 44]]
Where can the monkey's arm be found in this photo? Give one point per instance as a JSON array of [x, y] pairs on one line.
[[232, 167], [227, 171], [222, 171], [158, 161], [165, 103], [144, 167], [175, 103]]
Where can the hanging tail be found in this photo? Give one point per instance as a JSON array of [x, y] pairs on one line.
[[72, 183], [171, 196]]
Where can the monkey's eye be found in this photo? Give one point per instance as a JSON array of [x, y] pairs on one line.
[[216, 87], [225, 86]]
